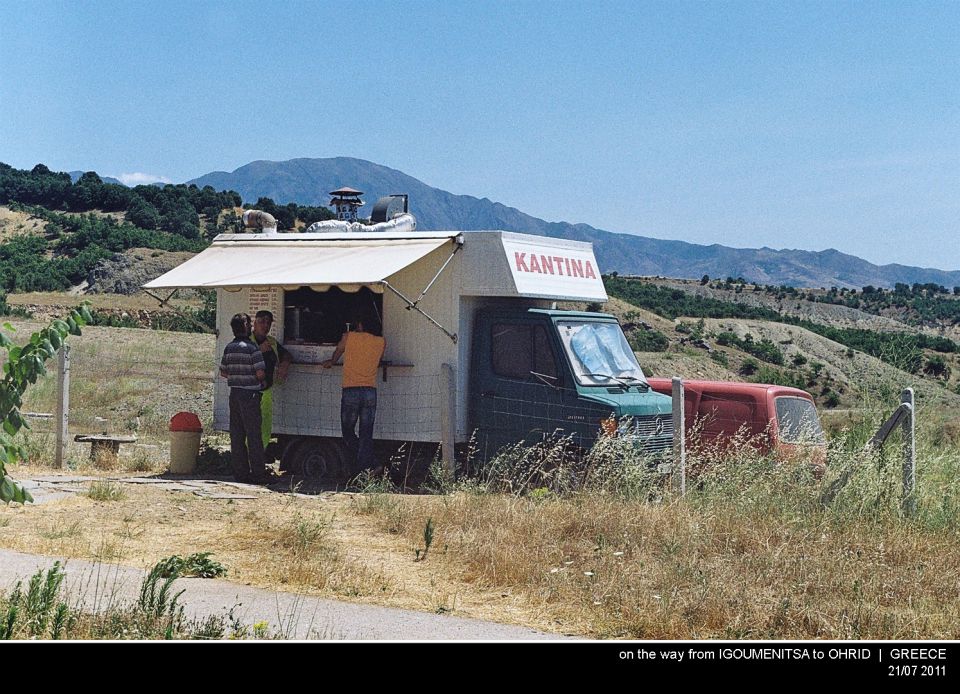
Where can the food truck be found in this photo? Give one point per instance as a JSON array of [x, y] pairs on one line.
[[476, 350]]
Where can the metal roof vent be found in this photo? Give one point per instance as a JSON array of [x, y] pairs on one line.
[[388, 207]]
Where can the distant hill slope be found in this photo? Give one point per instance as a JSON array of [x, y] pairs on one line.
[[308, 181], [75, 176], [824, 368]]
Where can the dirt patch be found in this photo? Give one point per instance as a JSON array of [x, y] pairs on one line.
[[18, 223], [323, 545]]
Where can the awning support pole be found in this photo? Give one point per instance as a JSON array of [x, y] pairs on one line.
[[412, 305], [162, 301], [191, 319], [458, 245]]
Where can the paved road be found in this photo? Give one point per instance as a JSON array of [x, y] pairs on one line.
[[290, 615]]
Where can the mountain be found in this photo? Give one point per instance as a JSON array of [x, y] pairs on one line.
[[308, 181]]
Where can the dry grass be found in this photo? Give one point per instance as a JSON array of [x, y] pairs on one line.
[[300, 551], [131, 302], [140, 457], [13, 224], [106, 491], [748, 553], [610, 568], [114, 387]]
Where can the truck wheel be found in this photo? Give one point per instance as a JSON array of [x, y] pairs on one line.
[[287, 447], [320, 461]]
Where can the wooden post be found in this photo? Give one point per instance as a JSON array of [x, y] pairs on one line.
[[63, 406], [448, 417], [909, 500], [679, 436]]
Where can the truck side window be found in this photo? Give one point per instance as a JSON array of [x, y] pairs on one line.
[[519, 349], [543, 359]]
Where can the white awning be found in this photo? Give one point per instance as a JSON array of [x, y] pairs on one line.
[[303, 260]]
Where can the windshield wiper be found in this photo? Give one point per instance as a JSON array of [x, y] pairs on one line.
[[623, 381], [609, 378], [637, 381]]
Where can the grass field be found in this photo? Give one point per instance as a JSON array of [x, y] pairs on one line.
[[749, 552]]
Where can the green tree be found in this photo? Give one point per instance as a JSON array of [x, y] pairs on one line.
[[181, 219], [143, 214], [24, 366]]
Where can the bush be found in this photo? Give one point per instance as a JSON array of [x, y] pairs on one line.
[[720, 357], [748, 367], [648, 341], [780, 377]]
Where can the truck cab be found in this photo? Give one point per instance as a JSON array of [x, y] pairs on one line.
[[776, 419], [535, 371]]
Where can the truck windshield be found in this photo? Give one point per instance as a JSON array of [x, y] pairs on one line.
[[798, 421], [600, 354]]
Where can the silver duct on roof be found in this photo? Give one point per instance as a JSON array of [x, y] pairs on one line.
[[256, 219], [403, 223]]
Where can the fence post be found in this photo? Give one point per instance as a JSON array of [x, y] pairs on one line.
[[679, 436], [909, 500], [63, 405]]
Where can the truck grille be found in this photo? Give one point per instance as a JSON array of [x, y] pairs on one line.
[[653, 433], [653, 425]]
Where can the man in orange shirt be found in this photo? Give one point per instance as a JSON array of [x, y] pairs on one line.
[[361, 350]]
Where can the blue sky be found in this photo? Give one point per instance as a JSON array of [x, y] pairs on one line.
[[784, 124]]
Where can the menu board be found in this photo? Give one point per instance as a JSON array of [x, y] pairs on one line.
[[267, 299]]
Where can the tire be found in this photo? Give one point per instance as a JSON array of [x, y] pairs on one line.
[[287, 446], [320, 461]]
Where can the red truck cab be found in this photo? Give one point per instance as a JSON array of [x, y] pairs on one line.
[[777, 419]]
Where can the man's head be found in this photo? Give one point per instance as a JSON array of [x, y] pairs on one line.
[[262, 323], [367, 322], [240, 325]]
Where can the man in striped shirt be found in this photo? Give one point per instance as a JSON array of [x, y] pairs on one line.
[[243, 367]]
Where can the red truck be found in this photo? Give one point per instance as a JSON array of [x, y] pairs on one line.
[[776, 418]]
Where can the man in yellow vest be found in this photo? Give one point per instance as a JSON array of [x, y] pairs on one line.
[[278, 361], [361, 350]]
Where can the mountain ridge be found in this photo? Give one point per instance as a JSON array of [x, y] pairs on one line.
[[307, 181]]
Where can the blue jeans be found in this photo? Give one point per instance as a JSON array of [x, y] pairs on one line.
[[359, 404]]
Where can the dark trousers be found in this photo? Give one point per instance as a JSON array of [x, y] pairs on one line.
[[359, 404], [245, 423]]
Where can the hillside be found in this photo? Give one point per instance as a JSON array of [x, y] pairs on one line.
[[295, 192], [883, 311], [741, 347], [829, 314], [307, 182]]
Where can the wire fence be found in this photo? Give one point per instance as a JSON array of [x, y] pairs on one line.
[[130, 390]]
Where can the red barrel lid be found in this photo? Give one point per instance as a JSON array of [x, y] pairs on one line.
[[185, 421]]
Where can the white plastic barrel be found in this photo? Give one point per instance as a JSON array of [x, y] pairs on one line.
[[185, 432]]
